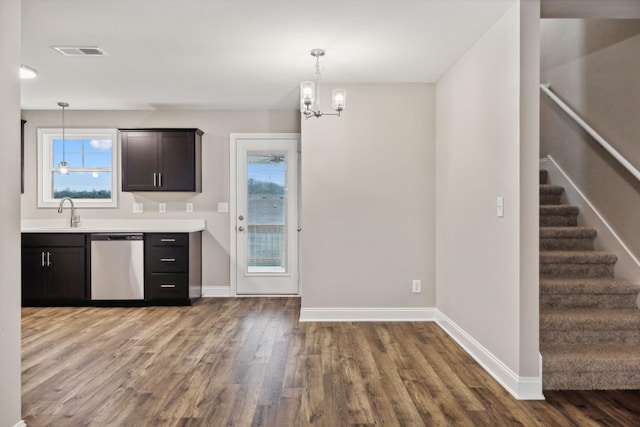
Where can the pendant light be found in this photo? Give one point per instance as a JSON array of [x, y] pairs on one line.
[[310, 92], [63, 167]]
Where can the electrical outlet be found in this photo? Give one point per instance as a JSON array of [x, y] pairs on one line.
[[162, 207], [223, 207], [500, 207], [138, 208], [189, 207], [416, 286]]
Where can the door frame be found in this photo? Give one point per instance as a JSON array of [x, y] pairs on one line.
[[233, 236]]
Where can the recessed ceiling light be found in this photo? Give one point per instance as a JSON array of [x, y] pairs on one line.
[[27, 72], [80, 50]]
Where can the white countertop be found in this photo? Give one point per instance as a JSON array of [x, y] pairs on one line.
[[113, 226]]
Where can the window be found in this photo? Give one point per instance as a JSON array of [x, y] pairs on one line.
[[91, 155]]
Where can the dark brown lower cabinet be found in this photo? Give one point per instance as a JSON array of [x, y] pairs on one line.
[[54, 269], [173, 268]]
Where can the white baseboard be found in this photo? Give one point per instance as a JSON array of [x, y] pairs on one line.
[[216, 291], [628, 266], [367, 314], [522, 388], [20, 423]]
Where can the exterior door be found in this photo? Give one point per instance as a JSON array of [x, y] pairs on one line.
[[266, 216]]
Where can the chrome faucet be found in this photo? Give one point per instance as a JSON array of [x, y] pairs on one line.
[[75, 220]]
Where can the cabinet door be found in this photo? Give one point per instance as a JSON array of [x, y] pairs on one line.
[[140, 161], [67, 274], [34, 274], [177, 158]]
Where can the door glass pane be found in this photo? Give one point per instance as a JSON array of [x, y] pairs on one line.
[[266, 212]]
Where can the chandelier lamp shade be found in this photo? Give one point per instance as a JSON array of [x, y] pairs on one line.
[[63, 167], [27, 72], [310, 93]]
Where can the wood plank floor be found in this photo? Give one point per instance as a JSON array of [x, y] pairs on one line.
[[248, 362]]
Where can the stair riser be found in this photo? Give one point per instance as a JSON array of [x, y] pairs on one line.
[[566, 244], [587, 301], [579, 336], [544, 177], [550, 199], [558, 221], [589, 380], [576, 270]]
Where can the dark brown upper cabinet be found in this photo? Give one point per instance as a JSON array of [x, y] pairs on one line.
[[161, 159]]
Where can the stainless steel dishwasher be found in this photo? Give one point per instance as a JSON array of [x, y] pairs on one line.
[[117, 267]]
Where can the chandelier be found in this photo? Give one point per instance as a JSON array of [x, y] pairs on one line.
[[63, 167], [310, 93]]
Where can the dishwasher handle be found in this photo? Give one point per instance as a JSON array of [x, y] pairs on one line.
[[116, 236]]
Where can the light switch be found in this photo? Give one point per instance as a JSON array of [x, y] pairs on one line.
[[223, 207], [138, 208], [500, 207]]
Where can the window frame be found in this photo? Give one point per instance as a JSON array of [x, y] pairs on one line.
[[46, 168]]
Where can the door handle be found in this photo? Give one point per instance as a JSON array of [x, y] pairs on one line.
[[159, 179], [42, 262], [155, 179], [167, 285], [241, 228], [48, 259], [167, 260]]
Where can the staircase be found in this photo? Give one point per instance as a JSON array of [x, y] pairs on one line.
[[589, 320]]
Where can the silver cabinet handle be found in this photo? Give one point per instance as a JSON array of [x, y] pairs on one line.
[[167, 240], [48, 259], [241, 228], [42, 253], [167, 260], [159, 179], [167, 285], [155, 179]]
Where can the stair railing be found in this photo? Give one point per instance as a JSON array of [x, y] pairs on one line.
[[616, 155]]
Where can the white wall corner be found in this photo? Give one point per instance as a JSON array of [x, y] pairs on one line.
[[522, 388], [20, 423], [216, 291], [367, 314]]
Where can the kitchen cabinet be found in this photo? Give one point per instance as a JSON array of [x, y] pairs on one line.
[[173, 268], [54, 269], [161, 159]]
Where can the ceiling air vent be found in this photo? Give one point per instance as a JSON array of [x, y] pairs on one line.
[[80, 51]]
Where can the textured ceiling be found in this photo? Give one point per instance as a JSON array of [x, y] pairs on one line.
[[237, 54]]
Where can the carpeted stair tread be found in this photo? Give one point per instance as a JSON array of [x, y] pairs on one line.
[[567, 232], [556, 210], [585, 367], [567, 238], [551, 189], [589, 318], [588, 285], [577, 257], [587, 357]]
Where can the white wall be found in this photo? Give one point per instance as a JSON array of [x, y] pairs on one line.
[[593, 66], [368, 199], [10, 213], [217, 125], [486, 267]]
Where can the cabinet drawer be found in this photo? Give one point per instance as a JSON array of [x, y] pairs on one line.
[[168, 286], [170, 239], [168, 260], [53, 239]]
